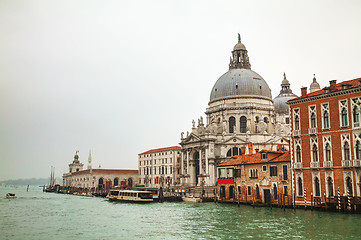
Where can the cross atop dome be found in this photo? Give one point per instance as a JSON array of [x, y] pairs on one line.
[[239, 58]]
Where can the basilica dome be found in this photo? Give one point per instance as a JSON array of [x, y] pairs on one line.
[[240, 82]]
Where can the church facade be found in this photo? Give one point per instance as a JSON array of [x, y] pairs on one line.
[[241, 118]]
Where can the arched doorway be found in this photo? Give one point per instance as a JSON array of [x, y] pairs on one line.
[[330, 187], [222, 192], [101, 183], [130, 182], [196, 162], [116, 181], [231, 192]]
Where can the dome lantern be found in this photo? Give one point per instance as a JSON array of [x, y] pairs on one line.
[[239, 57]]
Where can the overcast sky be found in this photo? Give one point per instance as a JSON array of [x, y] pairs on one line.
[[123, 77]]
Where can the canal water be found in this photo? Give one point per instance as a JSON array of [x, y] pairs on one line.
[[39, 215]]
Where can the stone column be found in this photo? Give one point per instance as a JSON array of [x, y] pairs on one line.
[[182, 163], [200, 162], [207, 166]]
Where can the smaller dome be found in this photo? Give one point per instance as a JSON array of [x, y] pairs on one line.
[[314, 85], [280, 103], [239, 46]]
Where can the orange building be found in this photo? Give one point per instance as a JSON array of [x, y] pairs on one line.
[[326, 143], [263, 177]]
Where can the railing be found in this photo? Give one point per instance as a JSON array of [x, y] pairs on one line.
[[357, 163], [346, 163], [312, 130], [298, 165], [327, 164], [315, 164], [296, 133]]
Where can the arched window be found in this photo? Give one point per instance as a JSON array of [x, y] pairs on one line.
[[297, 123], [348, 185], [358, 149], [300, 187], [257, 192], [234, 152], [356, 114], [328, 152], [326, 122], [313, 120], [223, 191], [116, 181], [243, 124], [232, 124], [346, 151], [330, 187], [317, 187], [298, 154], [314, 153], [275, 192], [344, 117]]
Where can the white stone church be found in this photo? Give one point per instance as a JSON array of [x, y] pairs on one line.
[[241, 118]]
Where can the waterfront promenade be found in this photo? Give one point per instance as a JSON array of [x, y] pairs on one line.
[[39, 215]]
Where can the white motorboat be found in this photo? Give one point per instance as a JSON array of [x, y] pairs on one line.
[[191, 199], [10, 195]]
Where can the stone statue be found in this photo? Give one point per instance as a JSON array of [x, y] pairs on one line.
[[193, 123], [224, 127], [182, 135], [187, 134], [201, 120]]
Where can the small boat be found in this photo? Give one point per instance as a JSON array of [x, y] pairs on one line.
[[191, 199], [137, 196], [10, 195]]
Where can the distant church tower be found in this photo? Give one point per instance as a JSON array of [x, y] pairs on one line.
[[90, 160], [75, 166], [314, 85]]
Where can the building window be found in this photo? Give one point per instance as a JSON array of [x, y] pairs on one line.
[[300, 188], [275, 192], [356, 114], [263, 155], [346, 151], [287, 120], [317, 187], [264, 168], [356, 105], [285, 172], [249, 190], [232, 124], [349, 186], [234, 152], [328, 152], [358, 150], [325, 116], [314, 153], [296, 118], [343, 113], [253, 173], [314, 149], [298, 154], [243, 124], [330, 186], [312, 114], [273, 171]]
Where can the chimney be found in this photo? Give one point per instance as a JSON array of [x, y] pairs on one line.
[[250, 148], [333, 85], [243, 150], [303, 91]]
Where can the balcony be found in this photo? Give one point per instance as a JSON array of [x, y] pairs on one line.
[[356, 124], [312, 131], [346, 163], [298, 165], [296, 133], [315, 164], [357, 163], [327, 164]]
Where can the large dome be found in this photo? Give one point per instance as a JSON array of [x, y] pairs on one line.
[[240, 82]]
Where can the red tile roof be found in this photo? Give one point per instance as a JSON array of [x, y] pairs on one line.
[[272, 156], [162, 149], [338, 87]]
